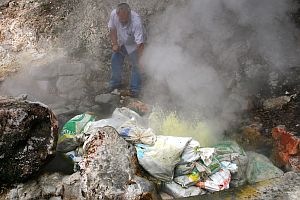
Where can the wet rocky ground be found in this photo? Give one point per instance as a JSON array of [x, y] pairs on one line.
[[74, 87]]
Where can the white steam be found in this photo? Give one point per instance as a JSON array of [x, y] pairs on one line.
[[211, 55]]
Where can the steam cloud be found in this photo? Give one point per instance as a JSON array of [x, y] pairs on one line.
[[211, 55]]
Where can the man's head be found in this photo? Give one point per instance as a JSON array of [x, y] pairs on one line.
[[124, 13]]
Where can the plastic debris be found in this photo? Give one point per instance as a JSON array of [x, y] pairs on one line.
[[76, 157], [131, 132], [231, 152], [206, 155], [183, 169], [261, 168], [216, 182], [119, 117], [179, 163], [191, 152], [161, 158], [123, 114], [212, 168], [69, 137], [189, 179], [232, 167], [177, 191]]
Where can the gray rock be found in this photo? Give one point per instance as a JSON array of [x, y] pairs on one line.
[[30, 190], [51, 185], [69, 69], [59, 104], [56, 198], [107, 99], [54, 69], [47, 186], [96, 108], [71, 85], [28, 136], [62, 111], [4, 2], [43, 72], [83, 109], [276, 103], [71, 185], [107, 167], [76, 94], [22, 96], [141, 188]]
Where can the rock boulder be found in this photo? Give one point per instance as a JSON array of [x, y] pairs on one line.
[[28, 137]]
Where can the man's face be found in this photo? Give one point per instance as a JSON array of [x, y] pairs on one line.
[[123, 17]]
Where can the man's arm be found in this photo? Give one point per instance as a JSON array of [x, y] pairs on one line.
[[113, 31], [114, 39]]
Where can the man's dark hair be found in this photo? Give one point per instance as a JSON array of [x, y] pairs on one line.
[[123, 7]]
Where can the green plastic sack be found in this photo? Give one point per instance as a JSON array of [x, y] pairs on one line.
[[231, 152], [67, 140], [260, 168], [228, 147]]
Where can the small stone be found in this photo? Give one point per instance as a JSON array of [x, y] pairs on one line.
[[71, 185], [56, 198], [62, 111], [295, 163], [276, 103], [22, 96], [107, 98]]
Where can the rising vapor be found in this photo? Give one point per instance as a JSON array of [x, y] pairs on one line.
[[211, 55]]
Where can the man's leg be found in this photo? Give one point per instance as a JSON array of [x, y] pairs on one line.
[[135, 84], [117, 61]]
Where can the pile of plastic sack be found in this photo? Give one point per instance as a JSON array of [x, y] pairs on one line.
[[182, 166], [186, 169]]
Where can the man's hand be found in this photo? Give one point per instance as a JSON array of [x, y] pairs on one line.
[[115, 48]]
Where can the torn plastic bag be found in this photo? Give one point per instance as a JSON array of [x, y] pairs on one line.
[[75, 156], [177, 191], [229, 147], [161, 158], [69, 138], [124, 114], [188, 179], [206, 155], [119, 117], [232, 167], [212, 168], [261, 168], [183, 169], [231, 152], [216, 182], [191, 152], [200, 173], [131, 132]]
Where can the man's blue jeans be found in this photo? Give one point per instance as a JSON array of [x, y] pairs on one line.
[[117, 63]]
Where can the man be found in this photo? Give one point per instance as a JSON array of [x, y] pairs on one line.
[[127, 37]]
